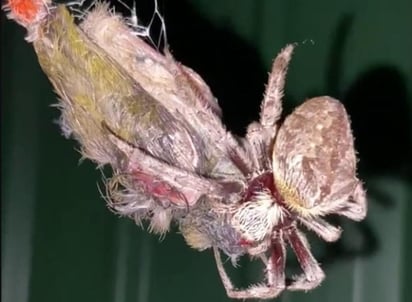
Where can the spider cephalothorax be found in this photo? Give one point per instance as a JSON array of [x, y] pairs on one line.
[[156, 123]]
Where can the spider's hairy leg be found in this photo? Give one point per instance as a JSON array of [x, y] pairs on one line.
[[275, 275], [261, 134], [312, 275], [271, 108], [322, 228], [276, 265], [259, 141], [353, 205], [356, 207]]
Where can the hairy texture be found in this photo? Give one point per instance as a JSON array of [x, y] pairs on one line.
[[256, 218], [106, 105], [203, 228], [178, 88], [156, 123]]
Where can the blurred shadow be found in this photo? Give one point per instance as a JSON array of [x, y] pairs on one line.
[[358, 240], [378, 104], [228, 64]]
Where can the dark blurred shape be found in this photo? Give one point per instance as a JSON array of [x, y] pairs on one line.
[[358, 240], [378, 104], [230, 66]]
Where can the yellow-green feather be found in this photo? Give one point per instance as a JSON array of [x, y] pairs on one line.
[[93, 87]]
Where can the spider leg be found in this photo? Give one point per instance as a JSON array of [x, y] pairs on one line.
[[277, 261], [271, 109], [260, 135], [322, 228], [356, 208], [312, 275], [352, 205], [275, 275], [259, 140]]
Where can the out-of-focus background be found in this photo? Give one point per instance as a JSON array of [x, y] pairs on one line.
[[61, 244]]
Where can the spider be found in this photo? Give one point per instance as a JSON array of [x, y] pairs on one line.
[[157, 124], [301, 170]]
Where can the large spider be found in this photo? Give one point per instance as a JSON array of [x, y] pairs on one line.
[[156, 123], [301, 170]]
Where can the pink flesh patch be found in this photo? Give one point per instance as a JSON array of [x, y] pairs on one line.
[[159, 189]]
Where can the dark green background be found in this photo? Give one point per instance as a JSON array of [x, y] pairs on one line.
[[60, 242]]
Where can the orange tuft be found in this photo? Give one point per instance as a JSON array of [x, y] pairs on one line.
[[25, 11]]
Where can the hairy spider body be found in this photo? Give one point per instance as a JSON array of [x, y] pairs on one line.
[[316, 177], [157, 124]]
